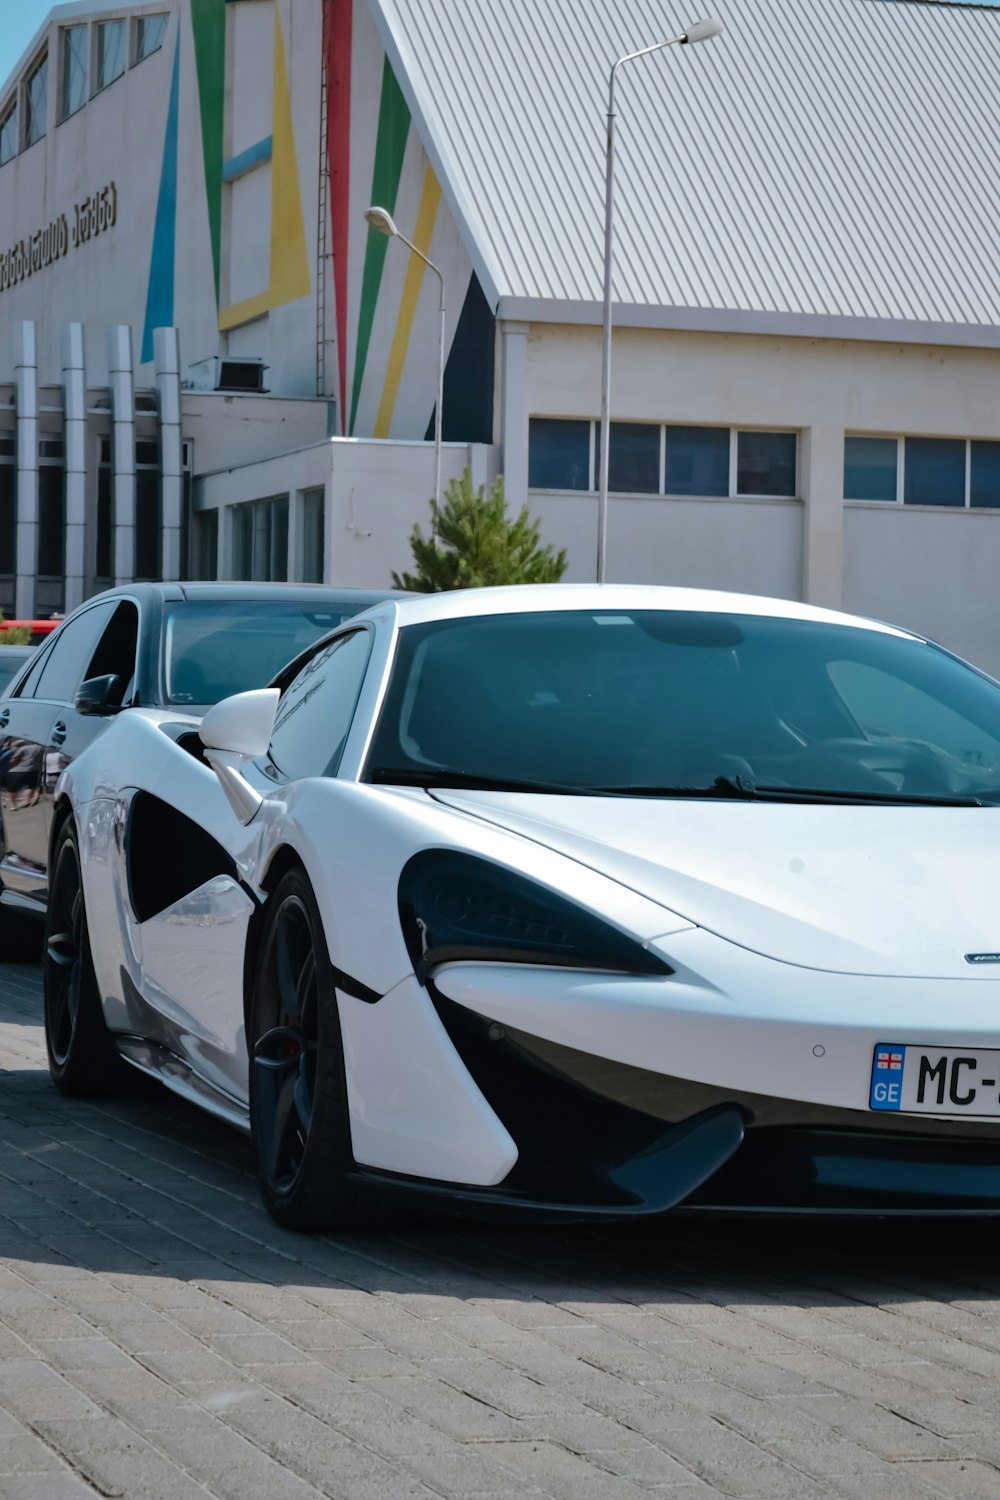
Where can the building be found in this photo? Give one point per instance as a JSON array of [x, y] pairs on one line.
[[216, 366]]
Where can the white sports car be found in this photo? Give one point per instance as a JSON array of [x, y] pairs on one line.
[[579, 901]]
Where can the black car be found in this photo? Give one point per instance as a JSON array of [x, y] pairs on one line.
[[144, 645]]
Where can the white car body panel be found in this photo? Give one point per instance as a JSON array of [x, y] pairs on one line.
[[412, 1110]]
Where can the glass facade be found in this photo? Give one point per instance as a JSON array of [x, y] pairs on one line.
[[697, 461], [934, 472], [260, 540], [73, 92], [313, 527], [36, 103], [8, 136], [984, 475], [870, 467], [111, 52], [558, 454], [150, 32], [633, 458], [765, 463]]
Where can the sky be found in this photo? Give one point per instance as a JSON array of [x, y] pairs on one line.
[[19, 20]]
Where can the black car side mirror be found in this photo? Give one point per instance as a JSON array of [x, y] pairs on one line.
[[99, 695]]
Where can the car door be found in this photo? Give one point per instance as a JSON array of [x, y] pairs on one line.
[[33, 729], [190, 908], [113, 655]]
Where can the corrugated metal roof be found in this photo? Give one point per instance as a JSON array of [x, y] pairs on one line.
[[832, 159]]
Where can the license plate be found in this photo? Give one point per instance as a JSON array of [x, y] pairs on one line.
[[913, 1079]]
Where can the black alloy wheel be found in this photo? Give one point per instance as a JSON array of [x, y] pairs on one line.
[[298, 1088], [82, 1056]]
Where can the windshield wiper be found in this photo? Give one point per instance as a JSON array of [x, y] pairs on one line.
[[741, 788], [440, 777]]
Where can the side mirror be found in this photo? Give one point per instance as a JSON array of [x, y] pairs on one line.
[[241, 726], [99, 695], [234, 730]]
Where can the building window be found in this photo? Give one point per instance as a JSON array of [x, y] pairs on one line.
[[765, 463], [205, 544], [49, 591], [313, 520], [73, 93], [934, 472], [104, 556], [697, 461], [148, 507], [633, 458], [8, 522], [36, 102], [110, 52], [150, 33], [260, 540], [984, 475], [8, 135], [870, 468], [559, 454], [658, 459], [956, 472]]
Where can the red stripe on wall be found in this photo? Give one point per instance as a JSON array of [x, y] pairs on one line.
[[338, 150]]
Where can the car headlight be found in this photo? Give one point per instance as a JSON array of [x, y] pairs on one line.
[[456, 907]]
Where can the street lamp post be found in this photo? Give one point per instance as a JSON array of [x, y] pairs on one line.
[[382, 220], [700, 31]]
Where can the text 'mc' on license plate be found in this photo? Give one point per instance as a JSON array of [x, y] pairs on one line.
[[915, 1079]]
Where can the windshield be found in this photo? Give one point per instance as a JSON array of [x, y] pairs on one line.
[[213, 647], [657, 702]]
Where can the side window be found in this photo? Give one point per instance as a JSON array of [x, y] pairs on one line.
[[315, 713], [115, 653], [66, 664]]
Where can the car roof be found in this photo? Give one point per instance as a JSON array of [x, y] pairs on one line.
[[317, 593], [602, 597]]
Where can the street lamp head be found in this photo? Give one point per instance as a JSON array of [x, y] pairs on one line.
[[702, 31], [381, 219]]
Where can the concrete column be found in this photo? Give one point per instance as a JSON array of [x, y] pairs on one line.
[[514, 412], [168, 384], [123, 451], [75, 396], [822, 485], [26, 385]]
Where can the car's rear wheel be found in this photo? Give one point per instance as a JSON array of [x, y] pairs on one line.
[[82, 1056], [298, 1087]]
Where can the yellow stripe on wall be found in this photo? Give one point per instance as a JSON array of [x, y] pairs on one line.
[[426, 215]]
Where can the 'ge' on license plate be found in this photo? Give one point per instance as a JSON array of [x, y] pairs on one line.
[[935, 1080]]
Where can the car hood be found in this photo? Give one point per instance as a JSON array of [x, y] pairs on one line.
[[905, 891]]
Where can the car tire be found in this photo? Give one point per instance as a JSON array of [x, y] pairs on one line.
[[298, 1086], [83, 1061]]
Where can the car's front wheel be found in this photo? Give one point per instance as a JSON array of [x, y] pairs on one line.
[[82, 1056], [298, 1087]]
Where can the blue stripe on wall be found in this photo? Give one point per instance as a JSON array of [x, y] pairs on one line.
[[160, 296], [251, 157]]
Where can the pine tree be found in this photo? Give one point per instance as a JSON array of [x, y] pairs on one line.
[[474, 543]]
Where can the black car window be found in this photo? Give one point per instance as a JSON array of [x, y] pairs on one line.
[[315, 713], [215, 647], [115, 653], [66, 663]]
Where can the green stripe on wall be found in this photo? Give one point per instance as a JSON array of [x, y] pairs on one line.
[[390, 146], [208, 20]]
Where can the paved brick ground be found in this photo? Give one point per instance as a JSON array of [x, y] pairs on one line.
[[159, 1337]]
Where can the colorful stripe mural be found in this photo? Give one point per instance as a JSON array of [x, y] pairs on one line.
[[339, 32], [208, 25], [160, 293]]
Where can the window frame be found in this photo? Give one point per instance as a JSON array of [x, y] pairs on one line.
[[101, 26], [344, 633], [900, 439], [65, 32], [139, 22], [11, 112], [28, 115]]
